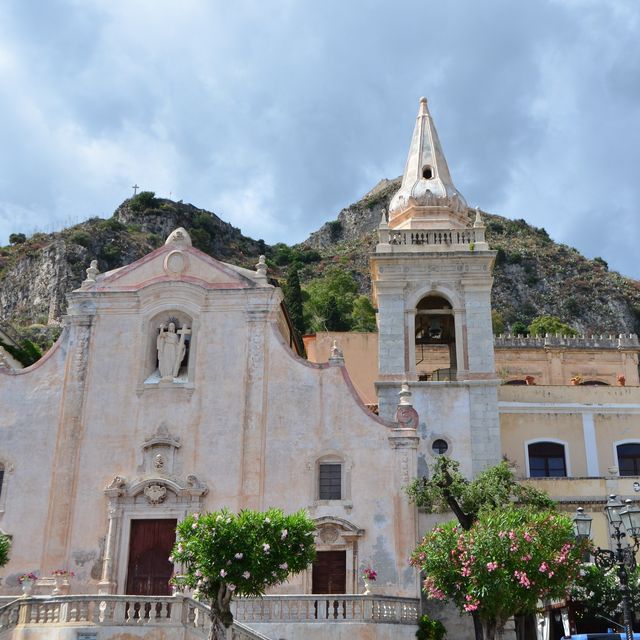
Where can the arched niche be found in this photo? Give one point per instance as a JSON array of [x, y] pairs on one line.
[[176, 327], [435, 338]]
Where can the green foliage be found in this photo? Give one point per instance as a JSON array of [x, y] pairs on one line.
[[80, 237], [5, 547], [26, 354], [111, 224], [335, 230], [201, 239], [571, 306], [111, 253], [363, 315], [205, 221], [17, 238], [509, 559], [493, 488], [329, 305], [497, 323], [284, 254], [552, 325], [293, 298], [519, 328], [144, 200], [601, 262], [430, 629], [598, 592], [225, 554]]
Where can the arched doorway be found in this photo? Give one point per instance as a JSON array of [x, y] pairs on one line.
[[435, 339]]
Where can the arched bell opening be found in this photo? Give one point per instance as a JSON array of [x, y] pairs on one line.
[[435, 339]]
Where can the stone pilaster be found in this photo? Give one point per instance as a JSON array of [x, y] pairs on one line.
[[70, 430], [253, 427]]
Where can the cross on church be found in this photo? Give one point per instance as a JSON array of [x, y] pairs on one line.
[[135, 189]]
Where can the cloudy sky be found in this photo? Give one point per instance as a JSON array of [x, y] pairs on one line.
[[276, 114]]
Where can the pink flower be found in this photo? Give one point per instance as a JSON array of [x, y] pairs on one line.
[[246, 575], [543, 567], [266, 547], [231, 587], [284, 565], [284, 534], [223, 573], [239, 556], [492, 566]]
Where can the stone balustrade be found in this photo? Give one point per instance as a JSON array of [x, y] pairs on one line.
[[416, 240], [180, 613], [621, 341], [328, 608], [169, 612]]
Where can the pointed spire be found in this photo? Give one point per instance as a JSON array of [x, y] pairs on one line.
[[427, 193]]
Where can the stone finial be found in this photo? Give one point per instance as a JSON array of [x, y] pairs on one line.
[[383, 220], [92, 272], [406, 415], [179, 237], [337, 357], [405, 394], [261, 267], [478, 221]]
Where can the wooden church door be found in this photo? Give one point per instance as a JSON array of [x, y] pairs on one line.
[[329, 574], [150, 546]]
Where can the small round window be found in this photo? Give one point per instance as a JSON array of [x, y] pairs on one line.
[[427, 172], [439, 447]]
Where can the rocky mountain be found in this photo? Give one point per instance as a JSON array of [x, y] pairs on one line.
[[533, 275]]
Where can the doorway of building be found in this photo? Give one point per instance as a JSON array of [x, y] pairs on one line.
[[150, 545], [329, 573]]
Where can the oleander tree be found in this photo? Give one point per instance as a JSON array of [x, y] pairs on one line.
[[5, 547], [223, 554], [508, 560], [495, 488]]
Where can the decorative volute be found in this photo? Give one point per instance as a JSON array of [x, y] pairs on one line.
[[427, 198]]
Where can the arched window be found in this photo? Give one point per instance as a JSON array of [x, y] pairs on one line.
[[547, 460], [594, 383], [435, 339], [629, 459]]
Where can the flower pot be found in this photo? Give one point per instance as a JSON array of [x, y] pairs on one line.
[[367, 590], [27, 588]]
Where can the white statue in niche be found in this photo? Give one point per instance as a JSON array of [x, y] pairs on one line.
[[171, 349]]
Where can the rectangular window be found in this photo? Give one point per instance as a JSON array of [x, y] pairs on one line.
[[330, 482]]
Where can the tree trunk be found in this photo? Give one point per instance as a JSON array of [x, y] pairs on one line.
[[477, 626], [221, 616], [218, 631], [489, 629]]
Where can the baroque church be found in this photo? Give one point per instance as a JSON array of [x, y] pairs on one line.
[[177, 387]]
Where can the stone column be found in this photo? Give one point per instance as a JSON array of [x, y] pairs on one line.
[[70, 428]]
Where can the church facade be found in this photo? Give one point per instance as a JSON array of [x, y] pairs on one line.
[[176, 387]]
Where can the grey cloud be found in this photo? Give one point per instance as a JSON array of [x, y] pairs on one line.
[[277, 114]]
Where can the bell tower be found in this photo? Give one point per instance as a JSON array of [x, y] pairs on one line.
[[431, 276]]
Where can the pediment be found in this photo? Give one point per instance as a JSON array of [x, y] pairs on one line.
[[175, 262]]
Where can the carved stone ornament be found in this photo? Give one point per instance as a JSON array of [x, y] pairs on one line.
[[155, 493], [329, 535]]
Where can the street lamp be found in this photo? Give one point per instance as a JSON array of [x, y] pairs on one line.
[[624, 520]]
